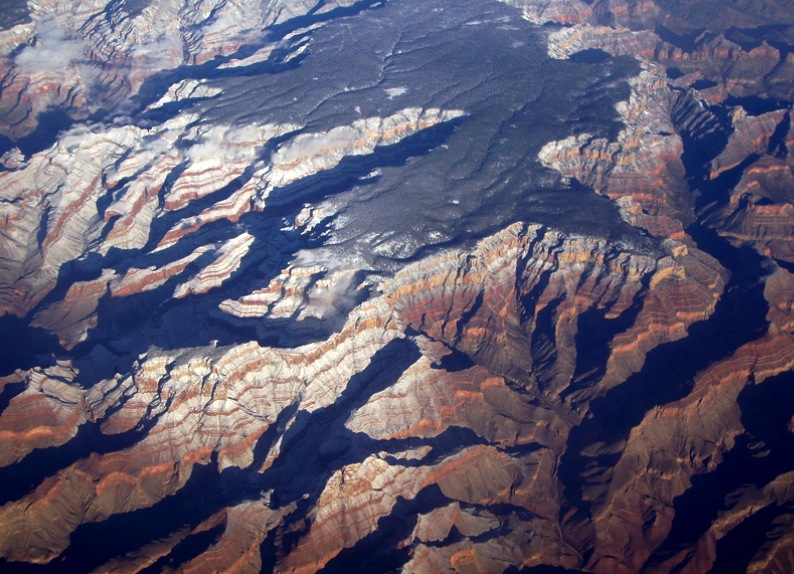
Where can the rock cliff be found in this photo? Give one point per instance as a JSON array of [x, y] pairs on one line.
[[314, 287]]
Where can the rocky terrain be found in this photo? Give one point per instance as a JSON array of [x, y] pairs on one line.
[[389, 285]]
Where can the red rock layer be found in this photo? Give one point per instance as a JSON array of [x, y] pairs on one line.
[[758, 210], [72, 317], [450, 452], [501, 289], [679, 440], [47, 413]]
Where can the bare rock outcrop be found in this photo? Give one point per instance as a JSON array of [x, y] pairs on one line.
[[213, 360]]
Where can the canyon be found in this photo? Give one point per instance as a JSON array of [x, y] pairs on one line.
[[389, 285]]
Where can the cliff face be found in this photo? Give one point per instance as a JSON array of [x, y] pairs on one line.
[[312, 286]]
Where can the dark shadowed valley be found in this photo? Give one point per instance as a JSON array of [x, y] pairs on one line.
[[455, 286]]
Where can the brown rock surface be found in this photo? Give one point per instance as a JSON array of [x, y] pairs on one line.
[[214, 365]]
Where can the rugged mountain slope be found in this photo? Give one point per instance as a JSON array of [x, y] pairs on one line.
[[387, 285]]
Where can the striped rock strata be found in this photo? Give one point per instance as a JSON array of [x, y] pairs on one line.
[[215, 406], [201, 377]]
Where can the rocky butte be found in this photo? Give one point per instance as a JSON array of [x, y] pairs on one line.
[[394, 285]]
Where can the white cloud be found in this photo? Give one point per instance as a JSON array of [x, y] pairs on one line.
[[54, 53], [162, 53], [233, 143], [332, 298]]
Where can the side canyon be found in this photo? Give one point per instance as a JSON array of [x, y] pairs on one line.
[[386, 285]]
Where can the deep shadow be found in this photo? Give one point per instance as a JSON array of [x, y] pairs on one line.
[[191, 547], [737, 548], [25, 347], [542, 570], [760, 455], [130, 325], [594, 336], [777, 141], [756, 105], [380, 551], [93, 544], [687, 41], [22, 477], [704, 131], [50, 124], [669, 369]]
